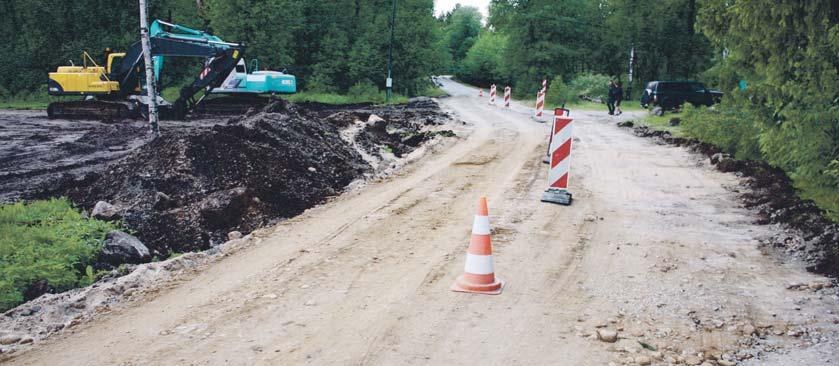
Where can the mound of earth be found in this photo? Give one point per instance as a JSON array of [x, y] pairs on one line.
[[186, 190]]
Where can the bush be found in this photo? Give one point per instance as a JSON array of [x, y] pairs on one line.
[[46, 240], [590, 85], [365, 91], [805, 148], [729, 126], [559, 93], [483, 64]]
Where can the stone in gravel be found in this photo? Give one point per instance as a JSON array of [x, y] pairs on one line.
[[693, 360], [643, 360], [312, 169], [816, 285], [105, 211], [606, 335], [376, 122], [233, 235], [122, 248], [9, 339], [726, 363], [656, 355], [310, 303], [163, 202], [26, 340]]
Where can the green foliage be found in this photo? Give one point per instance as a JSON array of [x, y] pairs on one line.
[[483, 64], [559, 94], [727, 126], [46, 240], [365, 91], [461, 28], [786, 51], [328, 45], [590, 85]]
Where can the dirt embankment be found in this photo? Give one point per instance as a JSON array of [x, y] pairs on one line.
[[188, 189], [809, 236]]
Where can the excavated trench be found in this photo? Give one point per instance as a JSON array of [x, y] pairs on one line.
[[186, 190]]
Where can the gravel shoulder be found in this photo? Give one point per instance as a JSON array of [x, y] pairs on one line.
[[655, 262]]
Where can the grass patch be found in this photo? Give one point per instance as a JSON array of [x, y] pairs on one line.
[[26, 103], [662, 123], [46, 240], [434, 92], [338, 99]]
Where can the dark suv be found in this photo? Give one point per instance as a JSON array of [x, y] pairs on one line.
[[672, 94]]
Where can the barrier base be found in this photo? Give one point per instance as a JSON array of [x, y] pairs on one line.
[[546, 159], [538, 119], [560, 196]]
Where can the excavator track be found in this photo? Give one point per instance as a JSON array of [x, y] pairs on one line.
[[92, 109]]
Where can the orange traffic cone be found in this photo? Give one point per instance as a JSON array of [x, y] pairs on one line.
[[479, 276]]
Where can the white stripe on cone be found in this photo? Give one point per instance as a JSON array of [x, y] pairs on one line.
[[478, 264], [481, 225]]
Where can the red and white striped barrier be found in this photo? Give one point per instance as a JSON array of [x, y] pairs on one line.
[[479, 274], [560, 159], [540, 105], [507, 91], [480, 92], [492, 94], [544, 86]]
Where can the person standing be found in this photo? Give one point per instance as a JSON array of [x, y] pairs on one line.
[[610, 99], [618, 98]]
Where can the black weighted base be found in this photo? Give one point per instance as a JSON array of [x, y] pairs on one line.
[[557, 196]]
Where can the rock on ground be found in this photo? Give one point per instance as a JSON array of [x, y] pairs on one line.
[[122, 248], [105, 211]]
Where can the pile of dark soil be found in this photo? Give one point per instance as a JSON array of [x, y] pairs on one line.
[[809, 235], [185, 190]]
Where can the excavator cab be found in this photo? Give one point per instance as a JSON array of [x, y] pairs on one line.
[[88, 79]]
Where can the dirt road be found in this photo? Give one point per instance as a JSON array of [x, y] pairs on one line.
[[655, 247]]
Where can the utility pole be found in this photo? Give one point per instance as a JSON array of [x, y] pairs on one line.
[[150, 83], [389, 81], [631, 62]]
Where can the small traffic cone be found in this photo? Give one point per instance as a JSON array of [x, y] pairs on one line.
[[481, 92], [479, 276]]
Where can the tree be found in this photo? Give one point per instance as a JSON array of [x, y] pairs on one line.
[[462, 26], [547, 38], [786, 51], [483, 64]]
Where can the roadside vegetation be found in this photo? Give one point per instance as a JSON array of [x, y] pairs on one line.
[[46, 243], [787, 115]]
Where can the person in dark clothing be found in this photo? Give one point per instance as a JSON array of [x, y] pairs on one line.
[[610, 99], [618, 98]]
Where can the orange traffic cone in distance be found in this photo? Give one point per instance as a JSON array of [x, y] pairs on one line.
[[479, 274]]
